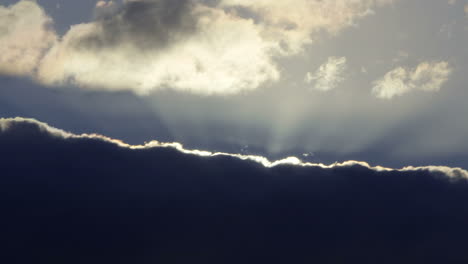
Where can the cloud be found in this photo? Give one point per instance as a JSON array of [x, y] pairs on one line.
[[105, 9], [190, 50], [427, 76], [70, 199], [295, 23], [10, 124], [105, 4], [430, 76], [394, 83], [329, 75], [204, 47], [25, 35]]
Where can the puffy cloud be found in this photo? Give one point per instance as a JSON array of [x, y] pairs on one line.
[[430, 76], [205, 47], [427, 76], [394, 83], [25, 34], [188, 50], [328, 75]]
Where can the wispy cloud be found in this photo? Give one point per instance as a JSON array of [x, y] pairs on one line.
[[329, 75], [427, 76]]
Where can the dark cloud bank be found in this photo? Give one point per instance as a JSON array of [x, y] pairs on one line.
[[85, 200]]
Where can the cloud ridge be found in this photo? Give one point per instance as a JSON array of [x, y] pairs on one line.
[[8, 123]]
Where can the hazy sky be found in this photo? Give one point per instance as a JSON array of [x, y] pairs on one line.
[[377, 80]]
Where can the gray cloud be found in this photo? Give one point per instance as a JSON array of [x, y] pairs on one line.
[[149, 24]]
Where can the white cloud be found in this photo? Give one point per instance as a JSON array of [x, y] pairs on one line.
[[25, 34], [427, 76], [209, 62], [329, 75], [295, 23], [226, 52], [394, 83], [430, 76]]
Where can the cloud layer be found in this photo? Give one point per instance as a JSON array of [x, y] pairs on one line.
[[205, 47], [75, 199], [427, 76]]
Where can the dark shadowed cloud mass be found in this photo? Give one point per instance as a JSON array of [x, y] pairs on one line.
[[74, 199]]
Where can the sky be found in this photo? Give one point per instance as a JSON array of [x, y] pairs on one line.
[[382, 81], [234, 131]]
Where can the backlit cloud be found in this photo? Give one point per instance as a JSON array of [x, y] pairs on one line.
[[294, 23], [69, 198], [202, 47], [104, 4], [25, 34], [328, 75], [143, 51], [427, 76]]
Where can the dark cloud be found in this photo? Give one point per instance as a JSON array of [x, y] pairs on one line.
[[86, 200], [147, 24]]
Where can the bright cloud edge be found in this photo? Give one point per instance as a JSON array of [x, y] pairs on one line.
[[450, 172]]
